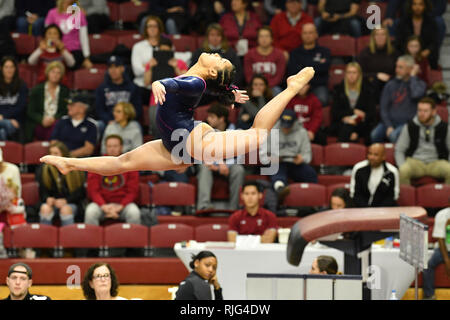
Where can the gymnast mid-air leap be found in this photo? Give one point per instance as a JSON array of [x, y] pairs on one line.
[[176, 99]]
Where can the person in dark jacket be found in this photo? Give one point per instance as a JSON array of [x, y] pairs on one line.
[[353, 109], [31, 15], [116, 87], [375, 182], [61, 195], [197, 284], [13, 98]]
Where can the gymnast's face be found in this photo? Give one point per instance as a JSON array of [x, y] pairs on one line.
[[214, 61]]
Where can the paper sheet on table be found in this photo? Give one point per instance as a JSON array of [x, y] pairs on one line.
[[247, 241]]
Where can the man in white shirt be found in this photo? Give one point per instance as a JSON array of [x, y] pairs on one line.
[[440, 255], [374, 182]]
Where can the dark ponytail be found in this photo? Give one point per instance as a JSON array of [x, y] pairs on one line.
[[201, 255], [222, 87]]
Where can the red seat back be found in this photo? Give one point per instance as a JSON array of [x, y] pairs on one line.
[[339, 45], [12, 151], [81, 235], [144, 194], [30, 193], [389, 149], [35, 236], [407, 196], [362, 43], [317, 154], [211, 232], [166, 235], [102, 43], [306, 195], [433, 195], [183, 42], [88, 79], [336, 75], [129, 39], [125, 235], [344, 154], [129, 11], [173, 194], [25, 44], [33, 151]]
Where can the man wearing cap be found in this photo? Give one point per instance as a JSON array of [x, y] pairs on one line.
[[76, 130], [19, 281], [294, 154], [117, 87]]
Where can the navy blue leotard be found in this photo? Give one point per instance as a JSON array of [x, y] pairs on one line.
[[182, 96]]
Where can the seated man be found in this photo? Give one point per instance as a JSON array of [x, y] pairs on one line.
[[218, 119], [76, 130], [294, 155], [423, 146], [252, 220], [374, 182], [113, 197], [338, 16], [19, 281], [440, 255]]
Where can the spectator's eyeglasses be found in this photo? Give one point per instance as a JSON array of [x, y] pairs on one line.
[[99, 276]]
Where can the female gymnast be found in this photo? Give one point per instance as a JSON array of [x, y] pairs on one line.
[[176, 99]]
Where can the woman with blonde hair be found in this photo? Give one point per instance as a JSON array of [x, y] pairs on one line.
[[125, 126], [47, 103], [353, 108], [61, 195], [378, 59], [74, 28]]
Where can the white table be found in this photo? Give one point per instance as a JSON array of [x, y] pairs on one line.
[[234, 264]]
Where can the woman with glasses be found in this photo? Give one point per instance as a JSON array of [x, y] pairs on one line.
[[101, 283]]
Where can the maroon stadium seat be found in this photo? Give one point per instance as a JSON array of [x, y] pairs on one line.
[[390, 153], [30, 193], [125, 235], [339, 45], [27, 177], [317, 154], [129, 39], [344, 154], [166, 235], [35, 236], [81, 235], [306, 195], [211, 232], [12, 151], [144, 194], [28, 74], [25, 44], [362, 43], [113, 11], [33, 151], [84, 79], [442, 112], [433, 195], [407, 196], [129, 12], [102, 43], [184, 43], [329, 179], [326, 116], [173, 194], [434, 76], [336, 75]]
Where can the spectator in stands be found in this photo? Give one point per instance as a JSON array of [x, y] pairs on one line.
[[207, 12], [267, 60], [13, 99], [61, 195], [218, 120], [174, 14], [113, 197], [440, 255], [50, 49], [216, 42], [398, 102], [294, 155], [142, 53], [117, 87], [312, 55], [47, 104], [414, 49], [75, 39], [418, 20], [19, 282], [252, 219], [287, 26], [125, 126], [378, 59], [259, 93], [31, 15], [197, 285], [338, 16], [353, 109], [76, 130], [240, 26], [423, 146], [97, 15], [309, 113], [340, 199], [7, 18], [324, 265], [101, 283], [374, 182], [9, 171]]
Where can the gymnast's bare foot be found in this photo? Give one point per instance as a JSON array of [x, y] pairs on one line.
[[297, 81], [59, 162]]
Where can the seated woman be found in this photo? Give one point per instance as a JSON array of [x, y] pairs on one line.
[[353, 108], [414, 49], [51, 48], [75, 37], [197, 284], [185, 142], [125, 126], [13, 99], [324, 265], [61, 195], [47, 104], [101, 283], [260, 94]]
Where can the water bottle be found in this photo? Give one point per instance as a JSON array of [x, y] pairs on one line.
[[393, 295]]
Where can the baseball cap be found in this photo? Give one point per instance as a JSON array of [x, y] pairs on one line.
[[115, 60], [288, 118], [78, 97], [28, 271]]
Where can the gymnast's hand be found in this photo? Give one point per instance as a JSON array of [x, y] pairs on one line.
[[240, 96], [159, 92]]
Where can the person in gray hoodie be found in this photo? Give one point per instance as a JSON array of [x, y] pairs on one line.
[[398, 100], [294, 154], [423, 146]]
